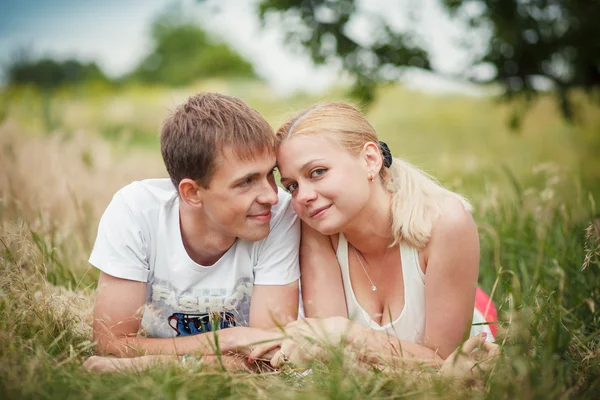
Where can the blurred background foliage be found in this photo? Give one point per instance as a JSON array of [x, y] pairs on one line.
[[531, 45], [49, 74], [183, 52]]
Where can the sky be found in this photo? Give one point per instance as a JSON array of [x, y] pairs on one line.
[[116, 35]]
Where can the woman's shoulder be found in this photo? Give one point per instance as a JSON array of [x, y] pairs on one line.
[[453, 224], [453, 212], [311, 237]]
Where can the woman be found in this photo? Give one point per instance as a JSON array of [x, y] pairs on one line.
[[386, 251]]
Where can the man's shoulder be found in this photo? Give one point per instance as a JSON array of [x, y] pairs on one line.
[[128, 229], [147, 194]]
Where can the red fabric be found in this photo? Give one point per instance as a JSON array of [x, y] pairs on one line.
[[486, 306]]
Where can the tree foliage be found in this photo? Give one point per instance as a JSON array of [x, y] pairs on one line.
[[557, 40], [49, 74], [321, 26], [530, 41], [183, 53]]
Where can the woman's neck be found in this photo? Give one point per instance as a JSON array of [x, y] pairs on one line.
[[371, 231]]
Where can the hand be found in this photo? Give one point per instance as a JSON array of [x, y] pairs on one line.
[[263, 338], [304, 340], [332, 330], [464, 363], [297, 352]]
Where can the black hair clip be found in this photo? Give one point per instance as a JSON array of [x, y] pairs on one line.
[[387, 154]]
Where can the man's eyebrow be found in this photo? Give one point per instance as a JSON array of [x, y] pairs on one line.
[[252, 175], [246, 177]]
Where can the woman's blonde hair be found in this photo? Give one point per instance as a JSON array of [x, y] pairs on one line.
[[416, 196]]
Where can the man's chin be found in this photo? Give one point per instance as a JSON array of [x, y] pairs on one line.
[[255, 234]]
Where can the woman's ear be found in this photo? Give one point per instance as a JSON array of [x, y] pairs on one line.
[[191, 192], [372, 157]]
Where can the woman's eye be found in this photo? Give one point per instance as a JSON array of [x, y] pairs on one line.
[[315, 173], [291, 187]]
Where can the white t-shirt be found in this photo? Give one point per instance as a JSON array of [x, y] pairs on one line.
[[139, 238]]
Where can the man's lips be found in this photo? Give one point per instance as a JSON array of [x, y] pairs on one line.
[[261, 216], [319, 211]]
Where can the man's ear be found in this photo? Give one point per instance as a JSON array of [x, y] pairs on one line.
[[191, 192], [372, 157]]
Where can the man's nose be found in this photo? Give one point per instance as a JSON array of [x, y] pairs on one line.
[[268, 193]]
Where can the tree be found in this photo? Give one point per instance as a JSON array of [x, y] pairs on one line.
[[183, 53], [48, 73], [321, 27], [557, 41]]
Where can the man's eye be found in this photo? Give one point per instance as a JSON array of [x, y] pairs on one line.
[[315, 173], [245, 183], [291, 187]]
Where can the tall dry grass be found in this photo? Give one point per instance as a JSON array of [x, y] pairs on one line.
[[53, 190], [535, 203]]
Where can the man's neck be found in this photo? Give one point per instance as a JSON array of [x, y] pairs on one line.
[[204, 245]]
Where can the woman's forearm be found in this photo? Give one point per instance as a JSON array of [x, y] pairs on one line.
[[380, 347]]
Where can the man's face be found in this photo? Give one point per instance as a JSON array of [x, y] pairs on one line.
[[240, 195]]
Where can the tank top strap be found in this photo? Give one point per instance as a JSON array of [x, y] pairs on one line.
[[411, 267], [342, 257]]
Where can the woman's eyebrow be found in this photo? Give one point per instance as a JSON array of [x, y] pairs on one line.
[[306, 164]]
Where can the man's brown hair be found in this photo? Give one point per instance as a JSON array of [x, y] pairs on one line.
[[193, 137]]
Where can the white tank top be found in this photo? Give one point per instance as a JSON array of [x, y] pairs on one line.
[[410, 324]]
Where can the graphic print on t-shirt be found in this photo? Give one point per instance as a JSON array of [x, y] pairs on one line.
[[170, 312], [193, 324]]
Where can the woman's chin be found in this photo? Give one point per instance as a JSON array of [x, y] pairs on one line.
[[326, 229]]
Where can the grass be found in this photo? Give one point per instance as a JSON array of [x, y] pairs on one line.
[[534, 193]]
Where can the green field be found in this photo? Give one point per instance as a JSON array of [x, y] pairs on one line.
[[62, 156]]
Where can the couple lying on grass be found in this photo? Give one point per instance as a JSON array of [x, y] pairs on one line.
[[209, 262]]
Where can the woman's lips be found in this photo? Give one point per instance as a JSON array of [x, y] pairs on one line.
[[319, 211]]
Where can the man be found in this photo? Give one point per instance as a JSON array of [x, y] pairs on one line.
[[214, 247]]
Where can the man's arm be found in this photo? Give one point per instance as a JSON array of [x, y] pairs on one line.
[[234, 362], [117, 318]]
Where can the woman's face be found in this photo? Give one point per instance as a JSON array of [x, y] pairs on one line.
[[329, 186]]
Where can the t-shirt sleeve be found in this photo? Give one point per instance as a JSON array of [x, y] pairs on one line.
[[278, 258], [121, 248]]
